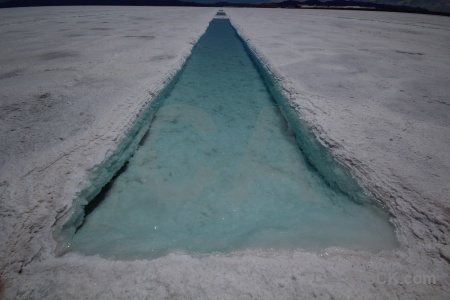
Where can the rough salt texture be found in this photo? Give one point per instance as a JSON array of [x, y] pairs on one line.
[[373, 86]]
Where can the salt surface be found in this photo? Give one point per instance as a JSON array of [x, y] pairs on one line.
[[77, 67]]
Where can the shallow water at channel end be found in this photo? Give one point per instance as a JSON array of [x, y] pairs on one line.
[[220, 171]]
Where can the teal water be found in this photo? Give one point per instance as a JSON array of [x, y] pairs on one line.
[[220, 170]]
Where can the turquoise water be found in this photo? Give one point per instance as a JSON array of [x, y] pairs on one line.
[[220, 170]]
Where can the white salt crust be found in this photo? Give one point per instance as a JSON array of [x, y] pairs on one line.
[[372, 86]]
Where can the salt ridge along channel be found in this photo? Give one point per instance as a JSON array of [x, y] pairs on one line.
[[220, 170]]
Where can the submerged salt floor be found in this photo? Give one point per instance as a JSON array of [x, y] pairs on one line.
[[220, 170]]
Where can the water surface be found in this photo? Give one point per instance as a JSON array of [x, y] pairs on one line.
[[220, 170]]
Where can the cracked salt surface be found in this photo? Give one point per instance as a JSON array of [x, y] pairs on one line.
[[220, 170]]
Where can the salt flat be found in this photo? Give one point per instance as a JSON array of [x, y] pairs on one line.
[[373, 87]]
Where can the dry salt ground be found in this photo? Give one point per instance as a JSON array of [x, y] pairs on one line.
[[373, 87]]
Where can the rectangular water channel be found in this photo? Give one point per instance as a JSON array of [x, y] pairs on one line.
[[220, 170]]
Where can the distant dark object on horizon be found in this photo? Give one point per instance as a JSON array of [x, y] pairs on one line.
[[345, 4], [30, 3], [307, 4]]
